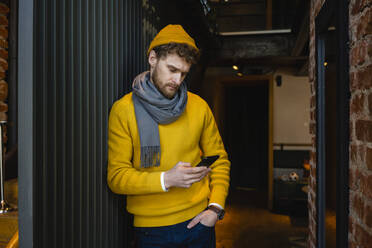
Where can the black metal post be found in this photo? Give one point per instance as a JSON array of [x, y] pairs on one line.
[[321, 143]]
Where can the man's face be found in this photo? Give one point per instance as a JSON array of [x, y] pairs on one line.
[[167, 73]]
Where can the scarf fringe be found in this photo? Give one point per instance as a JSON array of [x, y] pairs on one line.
[[150, 156]]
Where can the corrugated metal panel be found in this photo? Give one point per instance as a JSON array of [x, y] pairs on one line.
[[86, 54]]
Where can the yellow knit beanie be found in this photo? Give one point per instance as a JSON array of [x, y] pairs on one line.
[[172, 33]]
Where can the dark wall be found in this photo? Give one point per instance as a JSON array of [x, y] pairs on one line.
[[86, 54]]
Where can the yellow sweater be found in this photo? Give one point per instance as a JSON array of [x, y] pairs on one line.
[[194, 131]]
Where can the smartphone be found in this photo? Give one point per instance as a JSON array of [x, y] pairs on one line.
[[208, 161]]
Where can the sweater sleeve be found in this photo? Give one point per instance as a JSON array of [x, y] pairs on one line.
[[122, 177], [211, 144]]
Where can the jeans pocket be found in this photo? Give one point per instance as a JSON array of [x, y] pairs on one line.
[[205, 226], [202, 237]]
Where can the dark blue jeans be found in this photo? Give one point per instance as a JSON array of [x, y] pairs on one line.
[[176, 236]]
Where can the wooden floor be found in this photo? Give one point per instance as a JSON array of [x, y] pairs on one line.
[[9, 221], [248, 223], [8, 227]]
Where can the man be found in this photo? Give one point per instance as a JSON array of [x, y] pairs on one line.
[[157, 134]]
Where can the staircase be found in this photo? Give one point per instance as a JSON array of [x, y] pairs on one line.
[[9, 221]]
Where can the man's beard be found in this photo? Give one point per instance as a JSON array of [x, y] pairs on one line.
[[155, 79]]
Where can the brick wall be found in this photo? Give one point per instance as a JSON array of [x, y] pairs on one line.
[[4, 11], [360, 218]]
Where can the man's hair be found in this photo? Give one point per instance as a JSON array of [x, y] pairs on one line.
[[189, 53]]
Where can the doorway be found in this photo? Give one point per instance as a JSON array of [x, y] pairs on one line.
[[247, 131], [243, 108], [246, 135]]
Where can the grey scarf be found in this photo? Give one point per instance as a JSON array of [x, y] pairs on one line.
[[151, 109]]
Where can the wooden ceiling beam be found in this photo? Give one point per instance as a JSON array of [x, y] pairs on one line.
[[264, 63], [241, 9], [269, 14], [242, 23], [303, 36], [252, 46]]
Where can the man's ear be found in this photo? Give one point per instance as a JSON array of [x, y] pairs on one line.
[[153, 59]]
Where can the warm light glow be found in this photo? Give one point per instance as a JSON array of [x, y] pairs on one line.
[[325, 63], [226, 1], [239, 74], [235, 67]]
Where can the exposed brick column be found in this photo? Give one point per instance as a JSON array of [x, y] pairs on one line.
[[314, 10], [4, 11], [360, 218]]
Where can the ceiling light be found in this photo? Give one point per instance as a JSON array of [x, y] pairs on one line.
[[325, 63], [235, 67]]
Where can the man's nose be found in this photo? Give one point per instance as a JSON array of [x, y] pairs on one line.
[[177, 78]]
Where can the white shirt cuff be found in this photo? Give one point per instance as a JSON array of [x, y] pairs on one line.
[[162, 182], [216, 204]]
